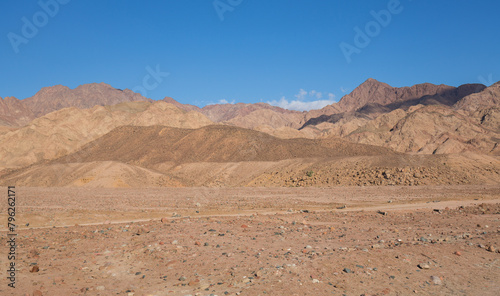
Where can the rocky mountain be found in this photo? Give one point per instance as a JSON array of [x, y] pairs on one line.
[[14, 112], [54, 98], [488, 97], [430, 129], [374, 92]]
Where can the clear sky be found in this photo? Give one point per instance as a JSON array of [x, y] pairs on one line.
[[296, 54]]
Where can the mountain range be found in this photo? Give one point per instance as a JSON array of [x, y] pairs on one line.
[[96, 124]]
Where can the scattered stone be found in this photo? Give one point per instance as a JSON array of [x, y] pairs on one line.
[[491, 249], [424, 266], [458, 253], [182, 278], [382, 213], [436, 280], [315, 281], [34, 268], [100, 288], [347, 270]]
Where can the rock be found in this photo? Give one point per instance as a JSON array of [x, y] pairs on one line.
[[34, 268], [175, 242], [436, 280], [182, 278], [347, 270], [308, 247], [491, 249], [424, 266], [100, 288], [458, 253], [244, 226], [382, 213], [197, 243], [164, 220], [315, 281], [194, 283]]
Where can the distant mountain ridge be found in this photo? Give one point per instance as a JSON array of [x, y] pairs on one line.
[[85, 96]]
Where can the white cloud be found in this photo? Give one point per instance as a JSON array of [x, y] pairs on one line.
[[342, 89], [223, 101], [301, 95], [305, 101], [300, 105]]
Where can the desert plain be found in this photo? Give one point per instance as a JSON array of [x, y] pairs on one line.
[[372, 240]]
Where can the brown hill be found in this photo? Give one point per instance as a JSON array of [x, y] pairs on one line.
[[57, 97], [62, 132], [148, 146], [14, 112]]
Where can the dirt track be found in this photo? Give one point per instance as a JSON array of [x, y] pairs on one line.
[[258, 241]]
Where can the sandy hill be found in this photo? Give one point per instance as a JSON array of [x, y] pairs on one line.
[[57, 97], [62, 132]]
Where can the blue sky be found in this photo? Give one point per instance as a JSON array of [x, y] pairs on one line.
[[287, 52]]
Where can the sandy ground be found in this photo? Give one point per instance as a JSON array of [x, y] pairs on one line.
[[424, 240]]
